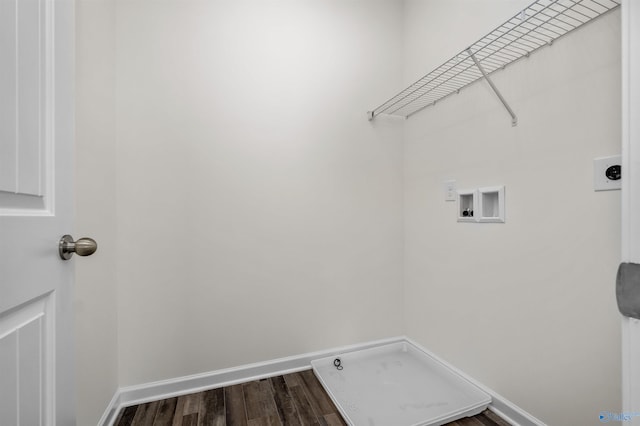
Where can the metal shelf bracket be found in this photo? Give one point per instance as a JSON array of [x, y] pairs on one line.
[[514, 118]]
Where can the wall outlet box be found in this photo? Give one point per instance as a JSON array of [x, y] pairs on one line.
[[607, 173], [481, 205], [467, 205], [491, 204]]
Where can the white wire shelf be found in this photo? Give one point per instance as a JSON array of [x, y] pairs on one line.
[[536, 26]]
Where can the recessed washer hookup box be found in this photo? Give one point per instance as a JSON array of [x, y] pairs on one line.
[[397, 385]]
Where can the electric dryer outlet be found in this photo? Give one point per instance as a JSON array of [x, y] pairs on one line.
[[607, 173]]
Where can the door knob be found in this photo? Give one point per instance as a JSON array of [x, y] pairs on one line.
[[82, 247]]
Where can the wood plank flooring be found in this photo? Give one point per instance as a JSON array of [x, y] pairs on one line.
[[288, 400]]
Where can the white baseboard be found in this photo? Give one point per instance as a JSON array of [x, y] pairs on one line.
[[110, 414], [139, 394]]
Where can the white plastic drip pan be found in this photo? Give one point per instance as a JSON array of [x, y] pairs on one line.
[[397, 385]]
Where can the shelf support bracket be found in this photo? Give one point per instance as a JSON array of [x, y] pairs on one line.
[[514, 118]]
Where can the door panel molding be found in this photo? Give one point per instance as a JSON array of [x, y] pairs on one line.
[[26, 108], [27, 350]]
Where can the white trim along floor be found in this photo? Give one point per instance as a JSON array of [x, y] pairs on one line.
[[134, 395]]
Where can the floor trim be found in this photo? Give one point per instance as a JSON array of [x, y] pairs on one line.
[[139, 394], [110, 414], [133, 395]]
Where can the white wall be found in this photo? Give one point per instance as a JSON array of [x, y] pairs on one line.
[[255, 213], [96, 329], [259, 212], [526, 307]]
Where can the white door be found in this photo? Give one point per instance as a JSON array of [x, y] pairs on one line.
[[631, 197], [36, 145]]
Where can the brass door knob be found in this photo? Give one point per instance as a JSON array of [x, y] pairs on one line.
[[82, 247]]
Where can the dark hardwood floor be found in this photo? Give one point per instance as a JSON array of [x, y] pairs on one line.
[[292, 399]]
